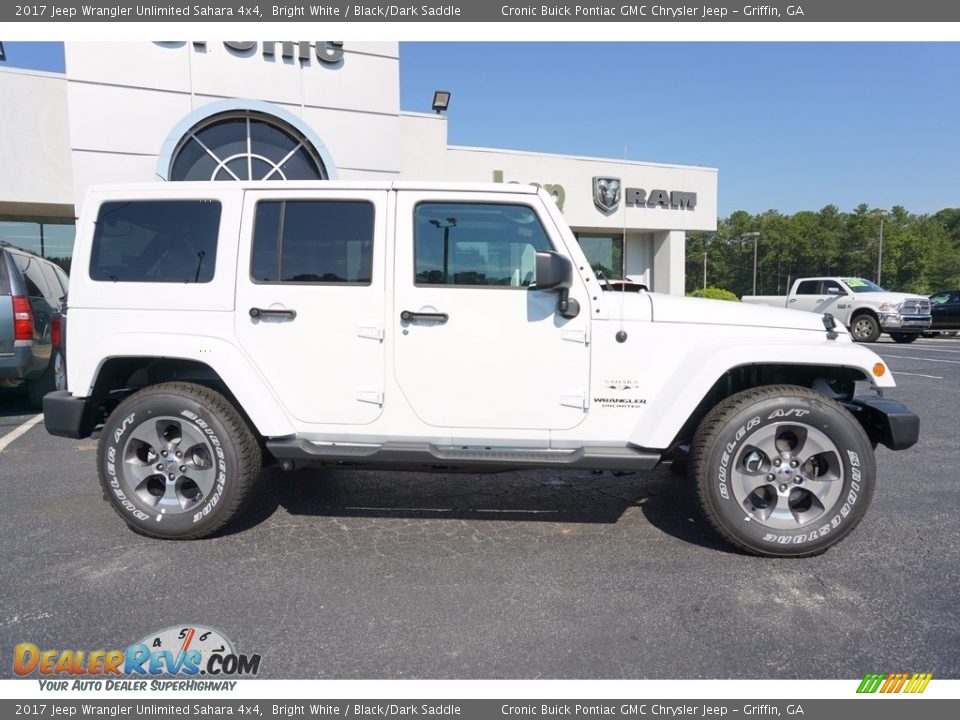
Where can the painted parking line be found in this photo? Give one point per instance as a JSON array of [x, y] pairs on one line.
[[931, 348], [924, 359], [932, 377], [18, 431]]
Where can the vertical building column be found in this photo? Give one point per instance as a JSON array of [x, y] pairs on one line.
[[669, 261]]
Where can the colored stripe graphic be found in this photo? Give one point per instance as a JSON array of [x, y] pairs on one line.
[[894, 682]]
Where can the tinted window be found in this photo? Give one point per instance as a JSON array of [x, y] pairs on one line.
[[808, 287], [156, 241], [32, 272], [477, 244], [53, 282], [4, 274], [940, 298], [832, 287], [313, 241]]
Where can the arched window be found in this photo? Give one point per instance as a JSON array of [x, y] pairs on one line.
[[245, 145]]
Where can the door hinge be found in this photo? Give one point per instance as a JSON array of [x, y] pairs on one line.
[[370, 395], [374, 332], [576, 401], [578, 336]]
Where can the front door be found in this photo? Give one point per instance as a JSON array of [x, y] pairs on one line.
[[478, 346], [310, 299]]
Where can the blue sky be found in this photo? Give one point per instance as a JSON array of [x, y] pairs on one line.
[[791, 126]]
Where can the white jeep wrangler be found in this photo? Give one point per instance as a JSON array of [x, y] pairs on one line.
[[212, 326]]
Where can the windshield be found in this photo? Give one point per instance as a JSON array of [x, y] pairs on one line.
[[859, 285]]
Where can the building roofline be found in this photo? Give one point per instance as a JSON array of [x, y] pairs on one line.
[[583, 158], [37, 73]]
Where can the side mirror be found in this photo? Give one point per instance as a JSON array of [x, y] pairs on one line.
[[834, 291], [555, 272]]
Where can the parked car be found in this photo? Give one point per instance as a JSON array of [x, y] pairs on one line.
[[440, 327], [945, 308], [32, 292], [863, 306]]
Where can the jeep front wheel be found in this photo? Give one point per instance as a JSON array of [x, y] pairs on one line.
[[177, 461], [782, 471]]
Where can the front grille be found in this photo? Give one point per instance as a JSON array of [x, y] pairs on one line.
[[915, 307]]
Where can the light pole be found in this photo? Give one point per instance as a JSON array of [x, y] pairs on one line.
[[756, 237], [880, 214], [451, 222]]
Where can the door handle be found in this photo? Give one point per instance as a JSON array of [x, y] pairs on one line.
[[792, 300], [410, 316], [256, 312]]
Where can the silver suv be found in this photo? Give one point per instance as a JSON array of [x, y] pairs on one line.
[[32, 291]]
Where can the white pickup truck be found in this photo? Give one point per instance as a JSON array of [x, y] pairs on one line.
[[863, 306], [216, 326]]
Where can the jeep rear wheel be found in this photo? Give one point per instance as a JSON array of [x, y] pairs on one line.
[[865, 328], [177, 461], [782, 471]]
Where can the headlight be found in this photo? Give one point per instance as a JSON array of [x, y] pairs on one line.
[[887, 307]]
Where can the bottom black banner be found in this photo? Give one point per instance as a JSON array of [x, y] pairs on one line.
[[873, 707]]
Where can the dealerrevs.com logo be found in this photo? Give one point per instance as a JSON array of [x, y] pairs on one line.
[[185, 652]]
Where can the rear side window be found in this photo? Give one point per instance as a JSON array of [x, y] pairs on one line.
[[4, 274], [171, 241], [808, 287], [313, 241], [32, 271]]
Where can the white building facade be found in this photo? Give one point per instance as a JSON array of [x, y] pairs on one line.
[[168, 111]]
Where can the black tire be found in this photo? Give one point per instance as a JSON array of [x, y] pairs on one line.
[[800, 522], [864, 328], [53, 378], [903, 338], [181, 423]]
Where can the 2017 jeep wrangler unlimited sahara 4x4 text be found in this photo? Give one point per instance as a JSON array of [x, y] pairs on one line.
[[439, 327]]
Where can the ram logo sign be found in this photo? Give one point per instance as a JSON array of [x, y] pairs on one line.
[[606, 193]]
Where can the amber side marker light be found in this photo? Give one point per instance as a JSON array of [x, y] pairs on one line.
[[879, 369]]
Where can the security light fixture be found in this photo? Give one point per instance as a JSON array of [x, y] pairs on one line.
[[441, 101]]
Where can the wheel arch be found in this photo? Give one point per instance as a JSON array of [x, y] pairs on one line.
[[675, 426], [119, 376]]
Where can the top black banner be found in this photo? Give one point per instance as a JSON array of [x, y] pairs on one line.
[[481, 11]]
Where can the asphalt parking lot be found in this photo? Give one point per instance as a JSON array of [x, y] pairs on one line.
[[349, 574]]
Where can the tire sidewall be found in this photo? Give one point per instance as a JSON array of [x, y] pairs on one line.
[[856, 456], [154, 404], [875, 332]]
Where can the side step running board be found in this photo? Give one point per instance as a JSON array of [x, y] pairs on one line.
[[426, 456]]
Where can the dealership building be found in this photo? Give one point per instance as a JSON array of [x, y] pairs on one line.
[[170, 111]]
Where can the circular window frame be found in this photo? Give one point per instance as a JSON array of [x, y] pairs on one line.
[[215, 112]]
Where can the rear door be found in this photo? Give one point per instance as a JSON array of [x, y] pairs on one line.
[[807, 296], [310, 299]]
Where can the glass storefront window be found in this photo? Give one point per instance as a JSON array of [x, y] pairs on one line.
[[604, 253], [52, 240]]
